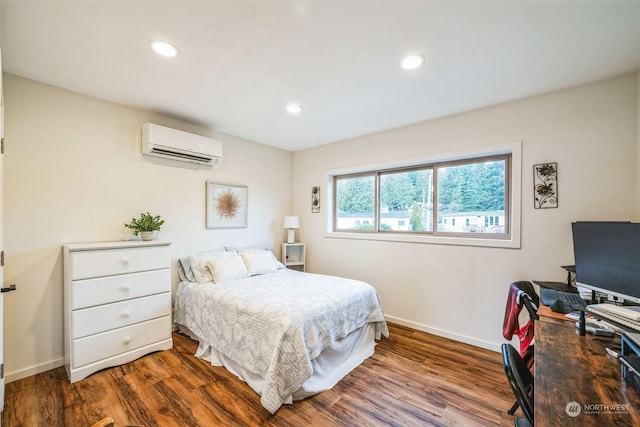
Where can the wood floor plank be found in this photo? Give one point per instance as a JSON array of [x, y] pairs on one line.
[[413, 378], [104, 396], [47, 391]]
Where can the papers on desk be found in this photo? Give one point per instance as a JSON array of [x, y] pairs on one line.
[[585, 293]]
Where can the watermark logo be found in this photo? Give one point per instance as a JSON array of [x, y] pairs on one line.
[[601, 408], [573, 409]]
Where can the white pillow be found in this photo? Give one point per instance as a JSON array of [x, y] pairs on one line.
[[199, 267], [258, 262], [227, 268], [257, 248]]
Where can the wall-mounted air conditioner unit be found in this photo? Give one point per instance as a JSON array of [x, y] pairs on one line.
[[175, 144]]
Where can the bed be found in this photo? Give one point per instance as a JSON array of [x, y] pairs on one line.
[[288, 334]]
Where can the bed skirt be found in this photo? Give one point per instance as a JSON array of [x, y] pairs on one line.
[[329, 367]]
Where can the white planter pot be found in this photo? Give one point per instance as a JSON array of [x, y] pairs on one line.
[[147, 235]]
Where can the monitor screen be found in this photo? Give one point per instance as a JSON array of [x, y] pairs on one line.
[[607, 256]]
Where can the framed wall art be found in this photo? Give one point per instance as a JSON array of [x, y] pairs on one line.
[[226, 206], [545, 185]]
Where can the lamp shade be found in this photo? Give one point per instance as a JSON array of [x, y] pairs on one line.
[[291, 222]]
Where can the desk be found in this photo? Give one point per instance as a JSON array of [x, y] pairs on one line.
[[570, 368]]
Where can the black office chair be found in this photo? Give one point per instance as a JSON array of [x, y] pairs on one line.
[[521, 382]]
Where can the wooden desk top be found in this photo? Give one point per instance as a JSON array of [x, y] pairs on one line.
[[543, 310], [570, 368]]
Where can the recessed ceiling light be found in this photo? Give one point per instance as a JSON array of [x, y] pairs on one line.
[[294, 108], [164, 48], [412, 61]]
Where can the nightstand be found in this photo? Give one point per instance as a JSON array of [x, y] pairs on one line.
[[293, 256]]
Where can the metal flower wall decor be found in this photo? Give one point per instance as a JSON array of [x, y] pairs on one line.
[[315, 199], [545, 186]]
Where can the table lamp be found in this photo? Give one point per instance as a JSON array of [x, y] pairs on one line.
[[291, 222]]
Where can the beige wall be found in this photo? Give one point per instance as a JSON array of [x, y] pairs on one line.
[[457, 291], [74, 172]]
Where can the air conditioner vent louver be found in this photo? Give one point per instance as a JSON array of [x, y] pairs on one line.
[[164, 153], [174, 144]]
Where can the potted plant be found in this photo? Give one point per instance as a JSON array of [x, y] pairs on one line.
[[145, 225]]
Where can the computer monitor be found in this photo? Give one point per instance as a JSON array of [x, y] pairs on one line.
[[607, 256]]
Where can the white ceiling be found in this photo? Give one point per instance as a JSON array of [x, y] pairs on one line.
[[242, 62]]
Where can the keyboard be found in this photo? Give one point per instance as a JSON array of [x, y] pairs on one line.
[[605, 312], [560, 301], [570, 298], [630, 312]]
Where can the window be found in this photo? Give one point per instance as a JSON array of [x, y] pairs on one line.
[[472, 189], [406, 196], [468, 198], [355, 202]]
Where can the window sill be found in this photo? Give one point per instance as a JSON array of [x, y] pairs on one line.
[[512, 243]]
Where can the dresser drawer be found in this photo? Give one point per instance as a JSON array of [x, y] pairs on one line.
[[111, 316], [91, 292], [100, 346], [107, 262]]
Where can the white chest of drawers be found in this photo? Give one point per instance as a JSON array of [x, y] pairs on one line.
[[117, 298]]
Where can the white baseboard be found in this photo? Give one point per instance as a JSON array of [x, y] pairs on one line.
[[446, 334], [33, 370]]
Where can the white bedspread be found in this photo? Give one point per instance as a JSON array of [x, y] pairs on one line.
[[275, 324]]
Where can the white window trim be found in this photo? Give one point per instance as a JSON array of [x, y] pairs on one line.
[[513, 148]]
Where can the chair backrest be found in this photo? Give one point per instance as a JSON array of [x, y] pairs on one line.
[[527, 288], [520, 379]]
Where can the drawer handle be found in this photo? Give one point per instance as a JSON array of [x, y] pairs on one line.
[[126, 288], [126, 262], [126, 315], [127, 340]]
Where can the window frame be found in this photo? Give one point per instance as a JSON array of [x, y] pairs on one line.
[[513, 172]]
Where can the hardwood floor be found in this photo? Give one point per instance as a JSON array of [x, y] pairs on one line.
[[413, 378]]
